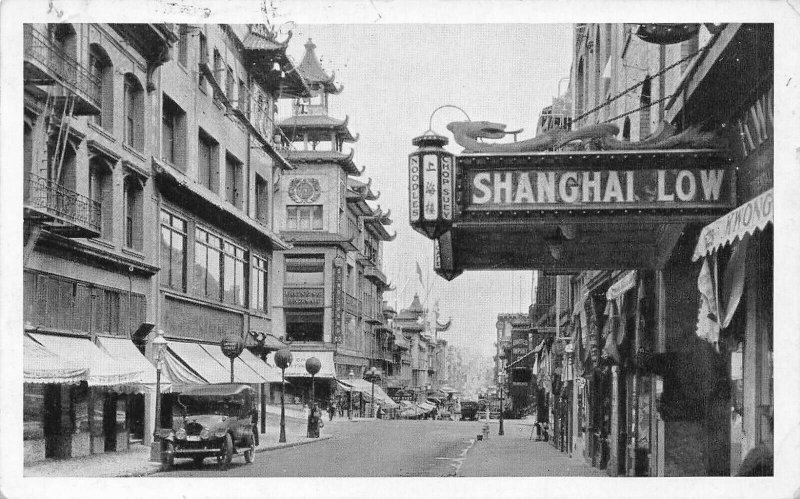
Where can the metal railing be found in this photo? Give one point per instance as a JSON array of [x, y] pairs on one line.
[[71, 73], [58, 201]]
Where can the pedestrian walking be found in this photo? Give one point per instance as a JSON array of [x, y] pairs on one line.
[[331, 410]]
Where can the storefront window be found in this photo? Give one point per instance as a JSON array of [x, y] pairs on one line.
[[304, 324]]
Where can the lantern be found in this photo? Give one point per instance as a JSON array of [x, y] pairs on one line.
[[431, 171], [313, 365], [232, 345], [283, 358]]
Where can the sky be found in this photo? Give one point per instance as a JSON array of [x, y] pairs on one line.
[[394, 77]]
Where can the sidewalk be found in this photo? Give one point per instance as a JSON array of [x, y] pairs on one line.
[[514, 455], [136, 462]]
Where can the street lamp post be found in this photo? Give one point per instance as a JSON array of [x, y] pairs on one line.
[[501, 378], [373, 371], [283, 359], [350, 376], [232, 346], [159, 347]]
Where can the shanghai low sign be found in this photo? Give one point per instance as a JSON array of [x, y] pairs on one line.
[[521, 187], [584, 182]]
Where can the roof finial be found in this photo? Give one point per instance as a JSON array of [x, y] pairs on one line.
[[310, 45]]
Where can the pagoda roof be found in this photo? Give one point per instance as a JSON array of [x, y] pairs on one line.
[[310, 69], [360, 190], [416, 305], [304, 123], [345, 160]]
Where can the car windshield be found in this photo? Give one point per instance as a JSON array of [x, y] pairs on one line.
[[208, 405]]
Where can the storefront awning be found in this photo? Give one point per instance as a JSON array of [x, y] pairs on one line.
[[627, 282], [102, 369], [200, 362], [242, 373], [124, 352], [40, 365], [298, 367], [366, 387], [269, 372], [746, 219]]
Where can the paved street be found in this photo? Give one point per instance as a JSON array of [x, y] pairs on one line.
[[406, 448]]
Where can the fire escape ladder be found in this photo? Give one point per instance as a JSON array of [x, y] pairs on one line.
[[63, 136]]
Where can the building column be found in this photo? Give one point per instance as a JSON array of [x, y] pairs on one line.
[[149, 416]]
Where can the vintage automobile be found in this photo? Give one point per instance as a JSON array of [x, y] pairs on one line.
[[216, 420], [469, 410]]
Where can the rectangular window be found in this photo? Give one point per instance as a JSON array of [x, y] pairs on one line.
[[243, 99], [183, 44], [173, 251], [304, 217], [260, 284], [203, 56], [306, 270], [234, 181], [134, 216], [207, 162], [130, 113], [230, 86], [100, 190], [219, 268], [173, 141], [304, 324], [262, 200], [233, 274], [208, 265]]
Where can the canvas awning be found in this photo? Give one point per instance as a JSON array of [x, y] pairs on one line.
[[298, 367], [426, 406], [203, 365], [242, 373], [366, 387], [125, 352], [746, 219], [103, 370], [40, 365], [269, 372]]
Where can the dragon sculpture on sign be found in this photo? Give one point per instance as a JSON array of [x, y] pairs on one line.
[[591, 137]]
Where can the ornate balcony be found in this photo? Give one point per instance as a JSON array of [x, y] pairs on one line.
[[47, 64], [60, 210]]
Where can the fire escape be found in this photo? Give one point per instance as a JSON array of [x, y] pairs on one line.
[[62, 88]]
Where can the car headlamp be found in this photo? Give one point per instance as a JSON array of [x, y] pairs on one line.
[[220, 433], [204, 433], [180, 434]]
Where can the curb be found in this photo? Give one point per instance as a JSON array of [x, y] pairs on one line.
[[155, 468], [286, 445]]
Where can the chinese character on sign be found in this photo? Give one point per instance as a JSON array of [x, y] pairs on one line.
[[430, 209], [430, 188]]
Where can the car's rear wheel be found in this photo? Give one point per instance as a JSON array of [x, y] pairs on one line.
[[250, 453], [226, 452], [168, 457]]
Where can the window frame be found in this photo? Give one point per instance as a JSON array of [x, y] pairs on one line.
[[173, 230], [312, 210]]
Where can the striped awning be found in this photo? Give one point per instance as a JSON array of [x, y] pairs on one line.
[[103, 370], [125, 352], [40, 365]]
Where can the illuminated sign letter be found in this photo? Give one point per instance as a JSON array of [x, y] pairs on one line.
[[482, 183]]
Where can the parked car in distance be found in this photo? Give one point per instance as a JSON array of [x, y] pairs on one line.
[[216, 420], [469, 410]]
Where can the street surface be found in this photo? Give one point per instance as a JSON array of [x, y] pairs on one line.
[[404, 448]]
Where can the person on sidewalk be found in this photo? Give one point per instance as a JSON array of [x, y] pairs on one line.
[[331, 410]]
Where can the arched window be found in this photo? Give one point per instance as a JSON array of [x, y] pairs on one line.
[[579, 90], [101, 67], [101, 187], [626, 129], [133, 112], [63, 37], [644, 114]]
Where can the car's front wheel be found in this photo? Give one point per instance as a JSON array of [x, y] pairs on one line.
[[226, 452], [168, 458], [250, 453]]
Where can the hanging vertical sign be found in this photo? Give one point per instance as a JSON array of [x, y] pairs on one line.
[[431, 171], [338, 292]]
